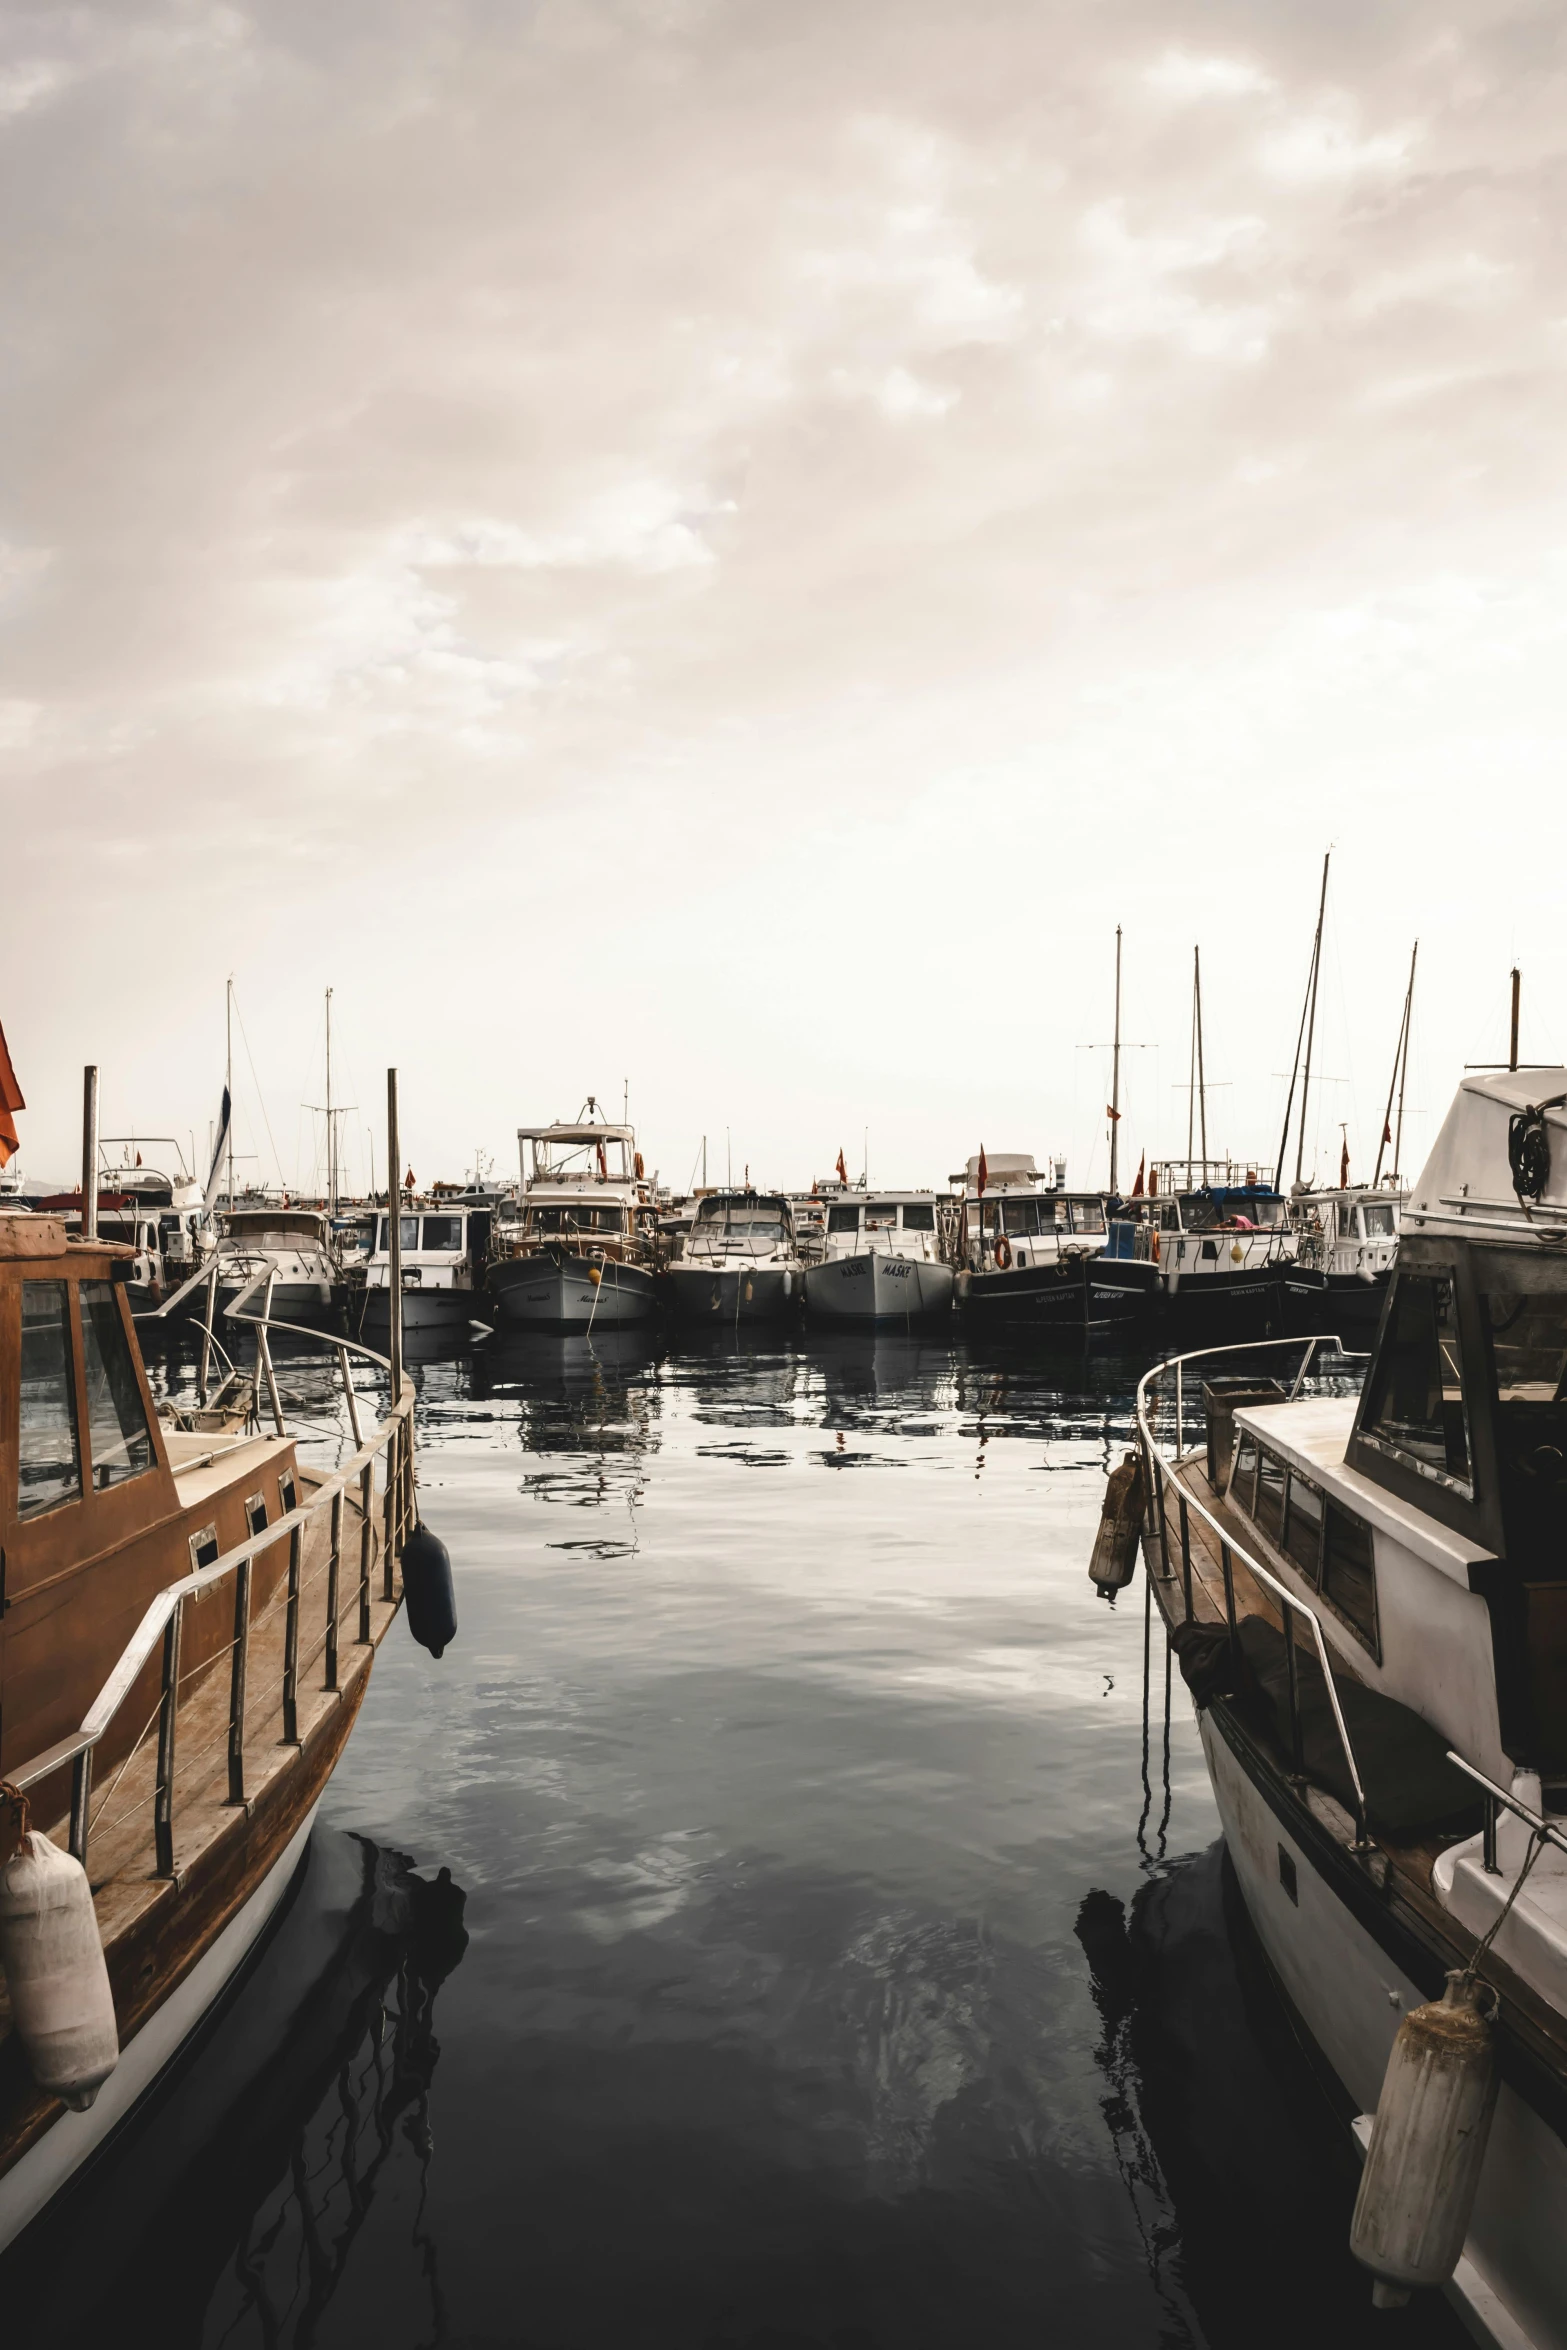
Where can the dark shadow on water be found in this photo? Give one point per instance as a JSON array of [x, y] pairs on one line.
[[1239, 2172], [231, 2202]]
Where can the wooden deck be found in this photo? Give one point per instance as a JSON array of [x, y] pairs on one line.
[[154, 1927]]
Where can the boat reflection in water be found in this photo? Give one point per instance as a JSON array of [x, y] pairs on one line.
[[233, 2204]]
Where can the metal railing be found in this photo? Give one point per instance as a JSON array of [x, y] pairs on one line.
[[162, 1623], [1154, 1467]]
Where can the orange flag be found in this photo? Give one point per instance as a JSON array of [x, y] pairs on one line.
[[10, 1102], [843, 1172]]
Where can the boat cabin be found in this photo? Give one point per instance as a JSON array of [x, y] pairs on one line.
[[441, 1248], [902, 1223], [754, 1225], [584, 1189]]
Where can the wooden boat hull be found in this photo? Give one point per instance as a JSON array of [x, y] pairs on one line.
[[871, 1287], [759, 1293], [546, 1292]]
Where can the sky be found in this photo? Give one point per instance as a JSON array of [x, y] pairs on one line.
[[720, 549]]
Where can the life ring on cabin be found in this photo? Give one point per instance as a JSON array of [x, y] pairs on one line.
[[1003, 1252]]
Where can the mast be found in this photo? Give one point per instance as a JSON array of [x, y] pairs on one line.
[[1191, 1091], [1115, 1073], [1398, 1133], [1512, 1048], [331, 1143], [1311, 1020], [228, 1074], [1202, 1088], [1400, 1055]]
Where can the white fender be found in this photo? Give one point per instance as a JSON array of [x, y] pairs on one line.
[[55, 1973]]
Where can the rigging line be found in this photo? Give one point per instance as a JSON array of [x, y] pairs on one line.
[[255, 1080]]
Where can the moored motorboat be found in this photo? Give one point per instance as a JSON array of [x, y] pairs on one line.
[[739, 1262], [1034, 1254], [1365, 1592], [444, 1252], [295, 1248], [585, 1252], [1224, 1253], [881, 1261], [1350, 1238]]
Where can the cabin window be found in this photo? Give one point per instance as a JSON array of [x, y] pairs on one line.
[[881, 1216], [1210, 1252], [1088, 1215], [919, 1216], [1022, 1218], [117, 1431], [49, 1455], [443, 1232], [1302, 1539], [1379, 1219], [1243, 1469], [1348, 1577], [204, 1548], [1528, 1334], [287, 1492], [256, 1513], [1269, 1510], [1415, 1405], [1346, 1221], [844, 1220]]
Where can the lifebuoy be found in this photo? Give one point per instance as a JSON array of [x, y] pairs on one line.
[[1003, 1252]]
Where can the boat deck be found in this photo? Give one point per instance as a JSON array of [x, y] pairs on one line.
[[210, 1829]]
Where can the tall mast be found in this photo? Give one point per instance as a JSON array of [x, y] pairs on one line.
[[228, 1074], [1191, 1090], [1400, 1055], [1311, 1020], [1202, 1088], [1398, 1132], [1512, 1047], [331, 1143], [1115, 1072]]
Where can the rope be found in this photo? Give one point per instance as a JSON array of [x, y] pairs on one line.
[[1471, 1971]]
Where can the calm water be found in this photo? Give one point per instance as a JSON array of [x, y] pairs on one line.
[[782, 1918]]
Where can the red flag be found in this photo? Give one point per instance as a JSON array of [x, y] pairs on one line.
[[10, 1102], [984, 1171], [408, 1180], [1387, 1133], [843, 1172], [1113, 1115], [1137, 1187], [1343, 1167]]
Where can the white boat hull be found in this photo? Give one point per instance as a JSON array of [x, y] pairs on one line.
[[1351, 1996], [560, 1293], [423, 1310], [39, 2175], [877, 1287]]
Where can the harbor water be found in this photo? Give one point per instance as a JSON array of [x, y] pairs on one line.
[[790, 1913]]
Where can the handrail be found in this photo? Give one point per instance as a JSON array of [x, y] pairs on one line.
[[162, 1617], [1228, 1547]]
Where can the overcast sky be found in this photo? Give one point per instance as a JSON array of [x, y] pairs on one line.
[[727, 546]]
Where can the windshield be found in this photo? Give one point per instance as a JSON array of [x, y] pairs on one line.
[[443, 1232], [843, 1219], [575, 1218], [1379, 1219], [919, 1216], [881, 1215]]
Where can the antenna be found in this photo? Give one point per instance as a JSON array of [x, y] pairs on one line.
[[1115, 1074], [1512, 1049], [1311, 1024]]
